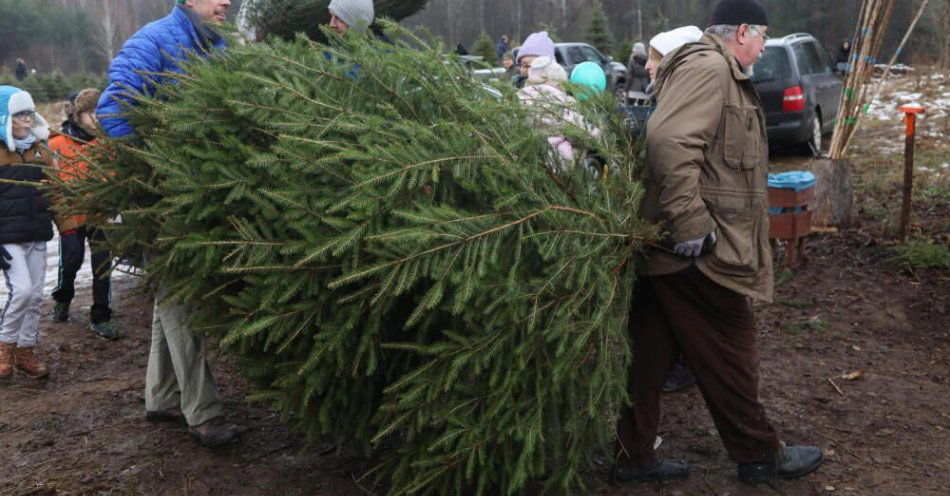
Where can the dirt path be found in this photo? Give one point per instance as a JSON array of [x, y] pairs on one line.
[[82, 431], [847, 310]]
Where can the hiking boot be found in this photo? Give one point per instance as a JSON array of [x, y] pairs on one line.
[[105, 330], [660, 470], [60, 312], [215, 432], [6, 360], [170, 415], [29, 364], [790, 462]]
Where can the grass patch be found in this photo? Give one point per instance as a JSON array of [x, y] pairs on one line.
[[783, 277], [923, 254], [812, 325]]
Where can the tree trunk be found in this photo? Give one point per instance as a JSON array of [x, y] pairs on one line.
[[834, 192]]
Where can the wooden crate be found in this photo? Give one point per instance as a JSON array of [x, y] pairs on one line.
[[788, 198], [789, 226], [794, 224]]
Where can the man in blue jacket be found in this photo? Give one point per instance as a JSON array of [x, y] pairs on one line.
[[178, 382]]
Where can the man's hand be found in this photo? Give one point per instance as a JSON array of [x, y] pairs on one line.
[[4, 257], [694, 247]]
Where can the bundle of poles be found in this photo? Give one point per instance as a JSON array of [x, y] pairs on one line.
[[858, 93]]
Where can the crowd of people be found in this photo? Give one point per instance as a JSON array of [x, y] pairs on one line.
[[706, 155]]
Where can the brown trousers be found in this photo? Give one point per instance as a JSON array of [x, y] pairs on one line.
[[715, 330]]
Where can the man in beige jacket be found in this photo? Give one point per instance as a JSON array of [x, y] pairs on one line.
[[707, 155]]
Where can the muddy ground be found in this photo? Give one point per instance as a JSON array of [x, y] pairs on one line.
[[855, 358]]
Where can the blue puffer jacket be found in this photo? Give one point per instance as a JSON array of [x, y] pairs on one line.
[[157, 47]]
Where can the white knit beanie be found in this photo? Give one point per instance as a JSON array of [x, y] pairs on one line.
[[671, 40], [357, 14], [639, 49], [543, 70]]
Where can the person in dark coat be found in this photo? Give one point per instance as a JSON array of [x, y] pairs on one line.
[[20, 71], [637, 76], [502, 46], [844, 54]]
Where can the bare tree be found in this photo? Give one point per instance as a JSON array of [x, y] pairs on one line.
[[109, 35]]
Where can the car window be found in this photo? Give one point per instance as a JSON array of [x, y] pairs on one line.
[[591, 55], [827, 61], [772, 66], [575, 55], [808, 60]]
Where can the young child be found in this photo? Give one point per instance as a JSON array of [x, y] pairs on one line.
[[555, 108], [511, 70], [79, 132], [25, 227]]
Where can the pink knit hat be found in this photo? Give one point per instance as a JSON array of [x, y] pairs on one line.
[[536, 45]]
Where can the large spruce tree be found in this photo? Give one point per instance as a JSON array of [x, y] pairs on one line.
[[382, 243]]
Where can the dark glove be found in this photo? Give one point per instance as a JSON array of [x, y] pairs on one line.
[[4, 256], [694, 247]]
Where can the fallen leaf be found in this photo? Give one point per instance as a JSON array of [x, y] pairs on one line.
[[853, 376]]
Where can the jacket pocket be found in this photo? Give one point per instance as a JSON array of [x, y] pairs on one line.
[[740, 145], [736, 252]]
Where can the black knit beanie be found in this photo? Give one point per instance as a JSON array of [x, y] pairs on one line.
[[737, 12]]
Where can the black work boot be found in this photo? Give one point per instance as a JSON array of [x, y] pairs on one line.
[[660, 470], [681, 377], [790, 462]]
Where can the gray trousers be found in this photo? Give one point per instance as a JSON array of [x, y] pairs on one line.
[[20, 319], [178, 374]]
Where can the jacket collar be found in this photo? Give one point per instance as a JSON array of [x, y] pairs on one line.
[[74, 130], [204, 36], [737, 71], [708, 42]]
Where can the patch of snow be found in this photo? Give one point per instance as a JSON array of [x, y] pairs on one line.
[[908, 97]]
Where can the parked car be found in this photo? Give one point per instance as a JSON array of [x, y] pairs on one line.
[[800, 91]]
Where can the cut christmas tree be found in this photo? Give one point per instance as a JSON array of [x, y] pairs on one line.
[[393, 254]]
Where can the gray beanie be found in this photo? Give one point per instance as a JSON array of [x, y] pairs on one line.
[[357, 14]]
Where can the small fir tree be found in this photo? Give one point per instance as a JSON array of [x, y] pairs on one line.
[[622, 51], [485, 48], [598, 31]]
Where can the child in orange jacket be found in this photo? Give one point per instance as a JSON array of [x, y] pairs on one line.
[[79, 132]]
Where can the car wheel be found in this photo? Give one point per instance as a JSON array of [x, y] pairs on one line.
[[814, 143]]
